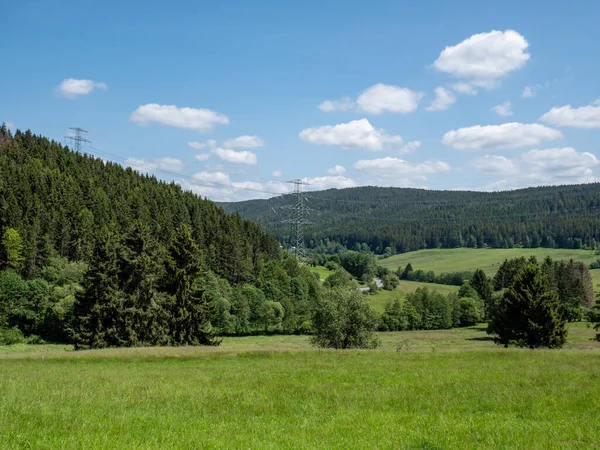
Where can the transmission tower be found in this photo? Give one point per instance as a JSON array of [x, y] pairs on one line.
[[77, 138], [298, 220]]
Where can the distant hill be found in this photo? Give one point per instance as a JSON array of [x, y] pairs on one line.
[[411, 219]]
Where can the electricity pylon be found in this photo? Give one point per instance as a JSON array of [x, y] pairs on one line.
[[298, 219]]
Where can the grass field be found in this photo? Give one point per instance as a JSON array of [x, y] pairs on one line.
[[322, 271], [487, 259], [381, 297], [453, 389]]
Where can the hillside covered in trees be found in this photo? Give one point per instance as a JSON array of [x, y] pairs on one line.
[[100, 255], [398, 220]]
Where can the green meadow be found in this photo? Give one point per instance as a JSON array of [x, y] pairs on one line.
[[422, 390]]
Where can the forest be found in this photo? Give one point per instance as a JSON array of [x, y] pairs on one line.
[[99, 255], [397, 220]]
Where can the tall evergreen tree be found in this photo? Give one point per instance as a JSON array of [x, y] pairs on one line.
[[189, 310], [483, 286], [142, 267], [527, 315], [100, 308]]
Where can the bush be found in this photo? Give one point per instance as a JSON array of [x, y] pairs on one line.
[[344, 319], [10, 336], [470, 312], [433, 308], [332, 265]]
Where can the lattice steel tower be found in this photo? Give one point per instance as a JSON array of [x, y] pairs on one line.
[[298, 219], [77, 139]]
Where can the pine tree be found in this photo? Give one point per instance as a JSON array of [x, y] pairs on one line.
[[99, 309], [527, 315], [189, 310], [483, 286]]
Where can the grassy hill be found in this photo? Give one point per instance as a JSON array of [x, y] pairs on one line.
[[273, 392]]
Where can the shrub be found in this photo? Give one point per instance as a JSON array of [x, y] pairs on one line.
[[10, 336], [344, 319]]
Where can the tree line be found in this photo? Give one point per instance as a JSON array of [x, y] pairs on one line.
[[399, 220]]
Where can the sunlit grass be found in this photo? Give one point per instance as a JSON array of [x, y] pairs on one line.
[[450, 389]]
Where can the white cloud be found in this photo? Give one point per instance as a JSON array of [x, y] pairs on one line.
[[503, 109], [484, 59], [410, 146], [582, 117], [381, 98], [529, 91], [11, 126], [244, 142], [212, 178], [276, 173], [328, 182], [596, 102], [357, 134], [337, 170], [553, 166], [464, 88], [505, 136], [495, 165], [202, 156], [211, 143], [344, 104], [395, 167], [203, 120], [141, 165], [151, 165], [442, 101], [72, 87], [242, 157], [170, 164]]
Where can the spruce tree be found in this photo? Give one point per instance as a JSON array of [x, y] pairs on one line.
[[142, 267], [99, 309], [189, 310], [483, 286], [527, 315]]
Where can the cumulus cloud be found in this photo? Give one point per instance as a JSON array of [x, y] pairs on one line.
[[503, 109], [337, 170], [495, 165], [344, 104], [72, 87], [464, 88], [328, 182], [357, 134], [276, 173], [377, 99], [484, 59], [539, 167], [202, 156], [203, 120], [410, 146], [211, 143], [382, 98], [212, 178], [244, 142], [494, 137], [151, 165], [235, 157], [400, 169], [218, 186], [11, 126], [566, 116], [442, 101]]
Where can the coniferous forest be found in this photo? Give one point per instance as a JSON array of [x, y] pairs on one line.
[[399, 220], [100, 255]]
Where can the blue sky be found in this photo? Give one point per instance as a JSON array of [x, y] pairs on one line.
[[233, 98]]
